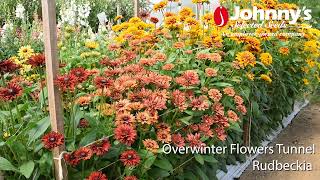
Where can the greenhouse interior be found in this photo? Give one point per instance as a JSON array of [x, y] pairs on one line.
[[159, 89]]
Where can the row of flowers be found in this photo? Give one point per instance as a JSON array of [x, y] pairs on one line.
[[179, 83]]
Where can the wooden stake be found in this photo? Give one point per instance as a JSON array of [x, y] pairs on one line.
[[52, 68], [118, 12], [136, 5]]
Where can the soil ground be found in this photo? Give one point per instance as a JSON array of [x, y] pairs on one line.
[[303, 131]]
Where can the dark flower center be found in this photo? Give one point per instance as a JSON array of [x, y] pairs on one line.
[[10, 91], [78, 73]]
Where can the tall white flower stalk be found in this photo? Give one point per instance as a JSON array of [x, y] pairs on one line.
[[75, 14], [83, 14], [20, 11]]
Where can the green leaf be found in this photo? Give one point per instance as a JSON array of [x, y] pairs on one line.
[[186, 120], [18, 147], [149, 162], [163, 164], [26, 169], [5, 165], [209, 159], [5, 113], [43, 96], [201, 173], [235, 126], [246, 92], [255, 109], [232, 52], [150, 158], [199, 158], [159, 173], [40, 128], [222, 84], [90, 137], [189, 175]]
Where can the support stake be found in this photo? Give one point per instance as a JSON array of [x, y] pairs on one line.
[[136, 5], [52, 69]]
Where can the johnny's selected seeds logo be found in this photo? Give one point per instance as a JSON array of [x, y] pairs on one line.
[[221, 15]]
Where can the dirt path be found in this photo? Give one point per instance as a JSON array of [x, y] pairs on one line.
[[304, 131]]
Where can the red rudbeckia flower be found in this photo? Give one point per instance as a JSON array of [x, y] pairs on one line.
[[8, 66], [130, 178], [71, 159], [80, 74], [97, 175], [144, 14], [66, 82], [130, 158], [154, 20], [83, 153], [101, 148], [52, 140], [102, 82], [11, 92], [125, 134], [37, 60], [83, 123]]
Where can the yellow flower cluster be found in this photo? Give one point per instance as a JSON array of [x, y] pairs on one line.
[[284, 50], [306, 81], [92, 44], [118, 18], [266, 78], [250, 76], [286, 6], [25, 52], [313, 47], [160, 6], [245, 59], [171, 23], [106, 109], [135, 28], [269, 3], [185, 12], [90, 54], [266, 58], [200, 1], [311, 63], [263, 33], [208, 18]]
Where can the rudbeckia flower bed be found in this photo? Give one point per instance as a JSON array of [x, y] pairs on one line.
[[180, 83]]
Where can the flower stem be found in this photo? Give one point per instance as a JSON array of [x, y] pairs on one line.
[[108, 165], [18, 112], [3, 80], [12, 118]]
